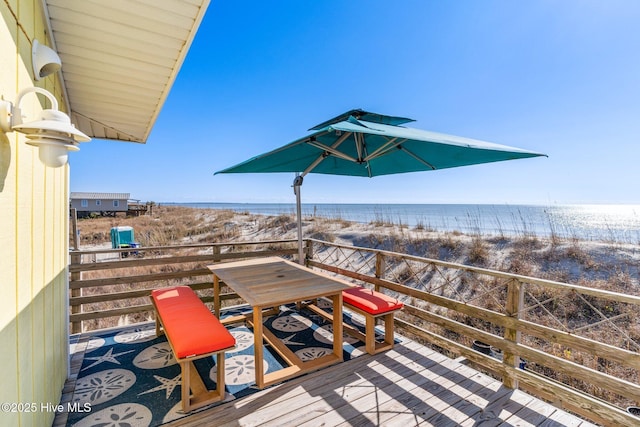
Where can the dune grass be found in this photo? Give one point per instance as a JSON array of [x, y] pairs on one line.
[[549, 257]]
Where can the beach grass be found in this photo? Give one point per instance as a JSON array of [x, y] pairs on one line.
[[549, 257]]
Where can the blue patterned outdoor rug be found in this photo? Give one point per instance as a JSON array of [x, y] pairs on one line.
[[129, 376]]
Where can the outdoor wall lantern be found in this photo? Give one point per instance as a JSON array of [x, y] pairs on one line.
[[45, 60], [52, 132]]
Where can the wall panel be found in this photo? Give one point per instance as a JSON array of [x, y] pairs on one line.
[[8, 302], [33, 236]]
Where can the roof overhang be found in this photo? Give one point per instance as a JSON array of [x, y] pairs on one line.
[[120, 59]]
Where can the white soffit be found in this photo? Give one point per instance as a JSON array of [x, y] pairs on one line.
[[120, 59]]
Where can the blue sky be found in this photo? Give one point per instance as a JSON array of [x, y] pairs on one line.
[[557, 77]]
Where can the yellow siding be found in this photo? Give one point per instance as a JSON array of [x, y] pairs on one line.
[[33, 237], [8, 320]]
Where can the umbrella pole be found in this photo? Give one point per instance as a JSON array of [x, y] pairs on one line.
[[297, 182]]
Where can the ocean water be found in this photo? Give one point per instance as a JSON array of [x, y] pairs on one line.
[[619, 223]]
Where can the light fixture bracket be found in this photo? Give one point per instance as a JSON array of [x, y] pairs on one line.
[[52, 131]]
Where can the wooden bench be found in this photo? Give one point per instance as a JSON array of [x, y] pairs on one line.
[[193, 333], [372, 305]]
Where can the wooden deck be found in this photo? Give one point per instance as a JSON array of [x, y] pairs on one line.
[[434, 388], [407, 386], [410, 385]]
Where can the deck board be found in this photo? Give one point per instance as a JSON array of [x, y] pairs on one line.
[[409, 385]]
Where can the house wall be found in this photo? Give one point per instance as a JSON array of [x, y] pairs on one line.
[[105, 205], [34, 204]]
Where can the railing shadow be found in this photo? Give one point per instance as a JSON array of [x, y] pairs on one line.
[[400, 387], [413, 388]]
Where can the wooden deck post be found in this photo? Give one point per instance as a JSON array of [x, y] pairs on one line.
[[379, 269], [515, 300], [76, 327], [74, 228], [216, 253], [308, 251]]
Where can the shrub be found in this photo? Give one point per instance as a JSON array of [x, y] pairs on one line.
[[478, 252]]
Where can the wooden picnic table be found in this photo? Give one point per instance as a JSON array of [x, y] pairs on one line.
[[267, 283]]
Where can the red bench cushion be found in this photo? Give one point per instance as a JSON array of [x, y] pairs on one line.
[[192, 328], [370, 301]]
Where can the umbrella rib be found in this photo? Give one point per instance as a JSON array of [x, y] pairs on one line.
[[332, 151], [322, 156], [420, 159], [288, 146], [384, 148]]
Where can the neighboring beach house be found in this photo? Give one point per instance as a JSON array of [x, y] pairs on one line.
[[119, 61], [86, 203]]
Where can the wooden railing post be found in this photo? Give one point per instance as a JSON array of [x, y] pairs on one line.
[[515, 300], [74, 228], [308, 251], [379, 269], [76, 327], [216, 253]]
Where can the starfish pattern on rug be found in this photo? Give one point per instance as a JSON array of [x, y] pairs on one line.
[[167, 384], [107, 357]]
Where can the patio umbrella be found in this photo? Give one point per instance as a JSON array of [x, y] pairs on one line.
[[361, 143]]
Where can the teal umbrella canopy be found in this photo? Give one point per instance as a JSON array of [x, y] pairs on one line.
[[360, 143]]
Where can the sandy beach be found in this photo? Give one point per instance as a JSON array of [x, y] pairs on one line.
[[605, 265]]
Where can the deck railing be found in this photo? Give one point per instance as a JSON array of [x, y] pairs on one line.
[[111, 286], [577, 347]]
